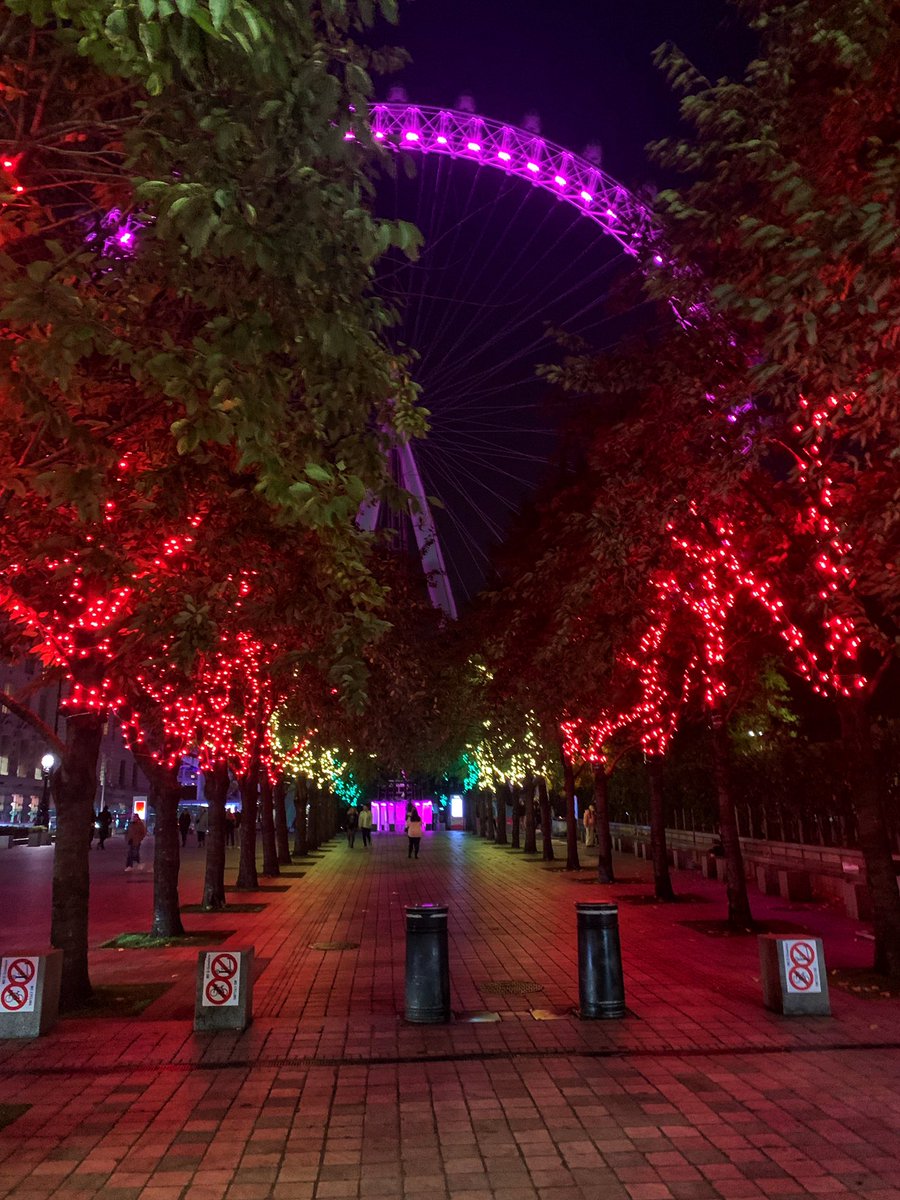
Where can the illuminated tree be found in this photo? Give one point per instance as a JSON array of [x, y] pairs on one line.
[[185, 253], [790, 223]]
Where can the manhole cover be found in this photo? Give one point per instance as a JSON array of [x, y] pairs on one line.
[[509, 987], [334, 946]]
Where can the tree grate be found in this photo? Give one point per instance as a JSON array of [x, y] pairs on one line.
[[510, 987], [334, 945]]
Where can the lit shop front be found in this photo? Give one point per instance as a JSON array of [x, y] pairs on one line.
[[389, 816]]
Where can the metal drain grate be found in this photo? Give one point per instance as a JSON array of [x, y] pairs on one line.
[[334, 946], [509, 987]]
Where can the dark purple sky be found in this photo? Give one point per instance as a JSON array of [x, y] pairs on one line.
[[503, 263], [584, 65]]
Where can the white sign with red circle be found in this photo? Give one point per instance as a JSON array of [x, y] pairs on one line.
[[18, 984], [221, 980], [801, 966]]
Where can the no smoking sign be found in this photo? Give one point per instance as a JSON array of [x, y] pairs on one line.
[[18, 984], [221, 980], [801, 966]]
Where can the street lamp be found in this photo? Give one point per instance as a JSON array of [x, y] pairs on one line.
[[48, 762]]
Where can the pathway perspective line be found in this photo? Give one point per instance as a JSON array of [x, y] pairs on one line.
[[249, 1064]]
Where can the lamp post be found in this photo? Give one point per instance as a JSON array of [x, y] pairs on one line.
[[48, 762]]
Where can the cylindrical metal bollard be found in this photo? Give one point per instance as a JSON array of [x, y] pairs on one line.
[[601, 988], [427, 964]]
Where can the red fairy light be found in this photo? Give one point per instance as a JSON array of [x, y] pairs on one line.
[[708, 580]]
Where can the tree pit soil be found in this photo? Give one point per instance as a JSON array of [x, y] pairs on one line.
[[229, 908], [12, 1112], [146, 941], [271, 887], [120, 1000], [865, 983], [722, 928]]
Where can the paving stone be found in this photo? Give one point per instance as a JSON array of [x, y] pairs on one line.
[[702, 1095]]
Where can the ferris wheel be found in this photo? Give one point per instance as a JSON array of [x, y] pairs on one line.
[[521, 236]]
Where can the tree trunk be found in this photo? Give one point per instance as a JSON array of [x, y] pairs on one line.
[[470, 814], [739, 914], [605, 871], [516, 793], [546, 821], [215, 789], [572, 863], [267, 811], [166, 856], [528, 797], [482, 816], [874, 839], [74, 785], [662, 883], [301, 838], [247, 879], [500, 835], [282, 841], [312, 823]]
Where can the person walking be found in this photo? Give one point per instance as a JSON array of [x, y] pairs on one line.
[[365, 824], [201, 826], [104, 825], [184, 825], [413, 831], [352, 825], [230, 826], [134, 835]]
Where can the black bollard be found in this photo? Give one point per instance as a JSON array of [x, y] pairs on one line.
[[601, 989], [427, 964]]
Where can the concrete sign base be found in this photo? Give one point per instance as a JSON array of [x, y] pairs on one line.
[[794, 980], [29, 993], [224, 995]]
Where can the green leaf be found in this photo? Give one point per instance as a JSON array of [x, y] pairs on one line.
[[219, 10], [317, 473]]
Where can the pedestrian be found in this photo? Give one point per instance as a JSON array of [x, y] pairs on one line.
[[413, 831], [104, 824], [230, 826], [134, 835], [95, 829], [365, 824], [352, 825], [184, 825], [590, 826], [201, 826]]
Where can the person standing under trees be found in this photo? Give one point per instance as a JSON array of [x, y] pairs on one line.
[[590, 826], [413, 831], [184, 825], [352, 825], [134, 835], [365, 824], [104, 825], [230, 826], [201, 827]]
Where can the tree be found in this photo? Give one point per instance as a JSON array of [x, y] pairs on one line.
[[790, 225], [185, 251]]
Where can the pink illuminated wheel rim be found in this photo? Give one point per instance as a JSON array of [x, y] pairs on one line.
[[567, 176], [534, 243]]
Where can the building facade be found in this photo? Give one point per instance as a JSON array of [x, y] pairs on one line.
[[22, 778]]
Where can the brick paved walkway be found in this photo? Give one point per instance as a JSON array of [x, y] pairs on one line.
[[698, 1093]]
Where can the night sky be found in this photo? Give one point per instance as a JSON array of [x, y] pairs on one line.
[[584, 65], [505, 264]]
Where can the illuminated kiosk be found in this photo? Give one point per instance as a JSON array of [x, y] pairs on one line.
[[570, 178], [389, 816]]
